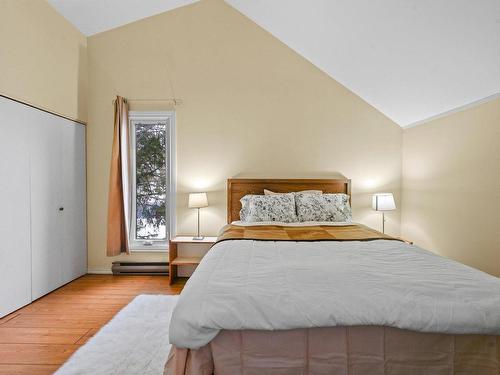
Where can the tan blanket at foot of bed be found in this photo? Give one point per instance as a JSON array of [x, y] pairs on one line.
[[365, 350], [353, 232]]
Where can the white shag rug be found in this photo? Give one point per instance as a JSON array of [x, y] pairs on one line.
[[135, 341]]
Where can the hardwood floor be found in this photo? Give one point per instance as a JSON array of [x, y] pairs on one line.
[[40, 337]]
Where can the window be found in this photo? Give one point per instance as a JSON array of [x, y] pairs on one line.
[[151, 140]]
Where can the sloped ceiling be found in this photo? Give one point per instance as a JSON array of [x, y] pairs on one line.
[[94, 16], [411, 59]]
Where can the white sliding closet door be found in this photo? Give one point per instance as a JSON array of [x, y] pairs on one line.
[[42, 201], [46, 204], [15, 253], [74, 247]]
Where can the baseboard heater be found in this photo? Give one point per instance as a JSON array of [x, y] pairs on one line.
[[140, 268]]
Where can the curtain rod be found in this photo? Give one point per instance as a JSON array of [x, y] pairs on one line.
[[176, 101]]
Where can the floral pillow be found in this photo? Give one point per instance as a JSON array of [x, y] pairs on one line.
[[323, 207], [279, 207]]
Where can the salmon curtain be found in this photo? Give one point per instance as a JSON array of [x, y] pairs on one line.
[[119, 183]]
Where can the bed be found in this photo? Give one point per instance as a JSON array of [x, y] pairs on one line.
[[313, 298]]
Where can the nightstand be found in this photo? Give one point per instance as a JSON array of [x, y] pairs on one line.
[[175, 259]]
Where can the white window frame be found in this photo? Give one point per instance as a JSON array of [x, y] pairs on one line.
[[157, 245]]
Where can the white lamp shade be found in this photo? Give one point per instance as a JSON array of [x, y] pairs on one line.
[[383, 202], [198, 200]]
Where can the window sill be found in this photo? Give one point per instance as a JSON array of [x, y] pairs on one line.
[[149, 249]]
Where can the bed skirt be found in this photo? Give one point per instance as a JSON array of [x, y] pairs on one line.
[[363, 350]]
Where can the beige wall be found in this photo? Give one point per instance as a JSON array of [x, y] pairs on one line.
[[252, 107], [42, 58], [451, 186]]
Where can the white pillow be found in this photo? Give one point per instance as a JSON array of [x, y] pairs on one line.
[[269, 192], [276, 207]]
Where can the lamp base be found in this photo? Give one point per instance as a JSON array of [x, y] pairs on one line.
[[198, 238]]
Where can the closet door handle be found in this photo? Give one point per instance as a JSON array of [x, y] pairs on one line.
[[61, 208]]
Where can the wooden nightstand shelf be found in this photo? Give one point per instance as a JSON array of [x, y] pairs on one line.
[[175, 259]]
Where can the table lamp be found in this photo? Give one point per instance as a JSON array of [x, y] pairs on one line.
[[198, 200], [383, 202]]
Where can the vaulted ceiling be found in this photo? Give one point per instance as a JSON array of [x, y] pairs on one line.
[[95, 16], [411, 59]]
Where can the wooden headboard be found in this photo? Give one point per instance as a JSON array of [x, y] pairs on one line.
[[239, 187]]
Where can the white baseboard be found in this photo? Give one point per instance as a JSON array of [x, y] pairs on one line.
[[99, 271]]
